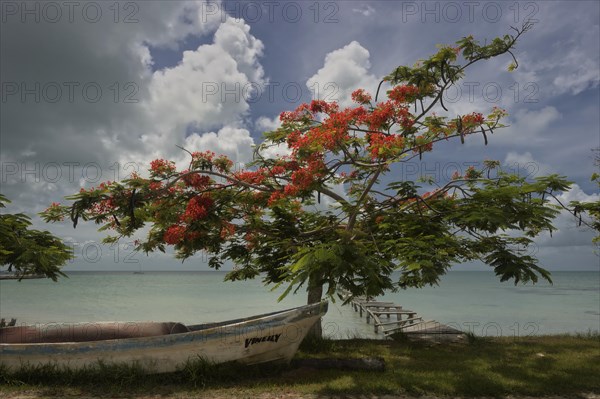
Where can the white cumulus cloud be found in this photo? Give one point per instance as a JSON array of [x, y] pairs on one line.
[[233, 142], [345, 70]]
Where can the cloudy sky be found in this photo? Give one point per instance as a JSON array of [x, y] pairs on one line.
[[91, 91]]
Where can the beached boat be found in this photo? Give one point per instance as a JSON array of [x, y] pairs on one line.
[[160, 347]]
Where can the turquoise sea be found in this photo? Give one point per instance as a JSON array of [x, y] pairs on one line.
[[471, 301]]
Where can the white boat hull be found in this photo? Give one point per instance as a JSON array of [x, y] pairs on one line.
[[259, 339]]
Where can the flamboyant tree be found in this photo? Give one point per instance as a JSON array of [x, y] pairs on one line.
[[261, 217], [27, 251]]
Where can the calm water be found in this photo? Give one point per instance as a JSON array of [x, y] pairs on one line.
[[474, 301]]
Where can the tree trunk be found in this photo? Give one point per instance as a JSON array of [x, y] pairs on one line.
[[315, 293]]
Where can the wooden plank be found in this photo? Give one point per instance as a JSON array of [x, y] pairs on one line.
[[376, 321], [429, 327], [364, 306], [357, 301], [403, 328], [398, 313], [378, 312], [404, 321], [383, 311], [380, 304]]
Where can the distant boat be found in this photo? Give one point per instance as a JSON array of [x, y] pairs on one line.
[[16, 276], [160, 347]]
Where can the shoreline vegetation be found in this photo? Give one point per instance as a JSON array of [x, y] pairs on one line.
[[535, 366]]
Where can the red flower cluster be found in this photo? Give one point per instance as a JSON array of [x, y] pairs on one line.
[[290, 190], [318, 138], [276, 196], [422, 145], [222, 163], [381, 115], [102, 186], [227, 230], [175, 189], [472, 173], [195, 180], [434, 193], [361, 97], [197, 208], [277, 170], [252, 177], [385, 113], [472, 121], [162, 167], [317, 106], [291, 165], [383, 145], [330, 133], [155, 185], [203, 155], [301, 180], [351, 175], [308, 111], [174, 235], [104, 207], [55, 209], [404, 94], [297, 115], [202, 159], [260, 175], [304, 177], [250, 239], [53, 205]]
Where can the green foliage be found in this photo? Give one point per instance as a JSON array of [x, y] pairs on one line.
[[28, 251], [592, 209]]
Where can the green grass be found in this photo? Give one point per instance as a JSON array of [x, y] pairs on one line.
[[535, 366]]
